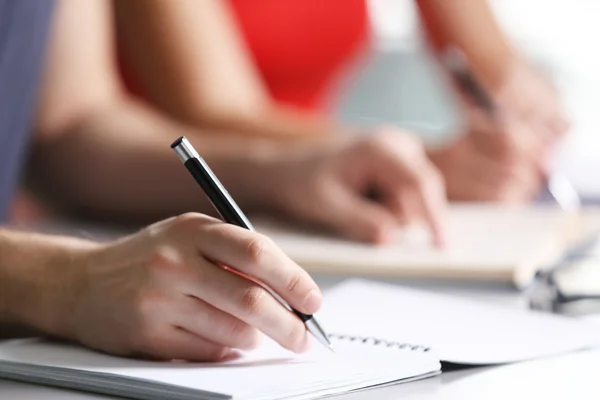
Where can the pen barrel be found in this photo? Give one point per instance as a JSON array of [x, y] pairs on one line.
[[217, 194]]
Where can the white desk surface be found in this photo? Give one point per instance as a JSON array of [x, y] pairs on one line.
[[571, 376]]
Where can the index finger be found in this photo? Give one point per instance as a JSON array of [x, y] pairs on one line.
[[431, 194], [427, 185], [256, 257]]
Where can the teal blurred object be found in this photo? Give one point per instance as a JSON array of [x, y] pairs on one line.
[[403, 88]]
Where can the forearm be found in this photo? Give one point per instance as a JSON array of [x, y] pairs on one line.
[[188, 58], [36, 282], [268, 120], [116, 163], [469, 25]]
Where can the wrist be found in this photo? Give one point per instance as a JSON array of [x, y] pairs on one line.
[[41, 278]]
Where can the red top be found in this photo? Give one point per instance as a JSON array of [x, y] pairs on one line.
[[300, 46]]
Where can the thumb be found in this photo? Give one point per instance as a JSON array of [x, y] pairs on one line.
[[357, 217]]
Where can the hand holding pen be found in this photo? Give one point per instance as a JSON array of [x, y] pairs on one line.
[[525, 140], [279, 278]]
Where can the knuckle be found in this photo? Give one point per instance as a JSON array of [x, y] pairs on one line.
[[293, 283], [187, 218], [164, 260], [191, 220], [241, 333], [164, 255], [155, 230], [252, 300], [258, 249]]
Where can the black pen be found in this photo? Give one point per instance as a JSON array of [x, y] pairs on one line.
[[232, 214]]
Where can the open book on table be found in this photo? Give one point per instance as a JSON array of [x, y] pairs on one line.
[[486, 242]]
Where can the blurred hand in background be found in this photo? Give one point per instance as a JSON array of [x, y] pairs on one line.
[[505, 154], [363, 188], [492, 163]]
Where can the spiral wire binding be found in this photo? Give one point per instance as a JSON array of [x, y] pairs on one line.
[[379, 342]]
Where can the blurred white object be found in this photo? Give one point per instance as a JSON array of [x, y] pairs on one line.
[[394, 23], [564, 192]]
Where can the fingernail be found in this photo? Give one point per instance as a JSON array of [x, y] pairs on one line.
[[312, 301]]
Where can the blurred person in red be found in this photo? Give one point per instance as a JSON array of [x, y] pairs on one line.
[[322, 182], [264, 69]]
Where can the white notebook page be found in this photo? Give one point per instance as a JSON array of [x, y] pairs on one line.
[[459, 330], [267, 373]]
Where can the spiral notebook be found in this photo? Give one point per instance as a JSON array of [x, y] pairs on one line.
[[269, 373]]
